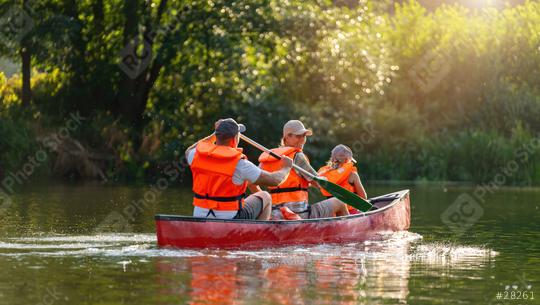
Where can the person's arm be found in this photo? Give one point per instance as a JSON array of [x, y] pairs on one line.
[[254, 188], [301, 161], [209, 138], [277, 177], [359, 188]]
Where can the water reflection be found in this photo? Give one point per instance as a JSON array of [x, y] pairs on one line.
[[373, 272], [351, 274], [345, 277]]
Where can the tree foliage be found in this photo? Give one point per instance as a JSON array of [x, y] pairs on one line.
[[417, 93]]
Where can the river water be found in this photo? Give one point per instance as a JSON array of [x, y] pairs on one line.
[[96, 244]]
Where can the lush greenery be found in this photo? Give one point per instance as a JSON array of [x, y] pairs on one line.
[[445, 94]]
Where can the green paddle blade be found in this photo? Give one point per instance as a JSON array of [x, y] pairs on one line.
[[344, 195]]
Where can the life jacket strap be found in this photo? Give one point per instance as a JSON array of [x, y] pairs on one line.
[[287, 190], [220, 199], [238, 198], [211, 212]]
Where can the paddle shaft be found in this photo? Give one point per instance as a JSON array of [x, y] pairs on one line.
[[268, 151]]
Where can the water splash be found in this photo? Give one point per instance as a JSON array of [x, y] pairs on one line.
[[105, 238], [386, 246], [108, 245], [451, 254]]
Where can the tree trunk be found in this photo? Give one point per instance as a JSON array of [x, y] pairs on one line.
[[133, 93], [100, 87], [26, 58], [97, 9], [126, 89], [80, 100]]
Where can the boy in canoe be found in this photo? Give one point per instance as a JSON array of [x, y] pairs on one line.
[[342, 171], [293, 192], [221, 175]]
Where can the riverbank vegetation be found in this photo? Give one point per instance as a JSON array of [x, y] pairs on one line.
[[442, 94]]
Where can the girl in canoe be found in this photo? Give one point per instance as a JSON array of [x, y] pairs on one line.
[[342, 171], [292, 194]]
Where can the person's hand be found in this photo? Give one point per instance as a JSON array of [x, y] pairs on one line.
[[286, 162], [315, 184]]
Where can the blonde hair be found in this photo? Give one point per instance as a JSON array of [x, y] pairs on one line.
[[340, 154]]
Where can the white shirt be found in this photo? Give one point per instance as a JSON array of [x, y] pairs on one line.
[[244, 171]]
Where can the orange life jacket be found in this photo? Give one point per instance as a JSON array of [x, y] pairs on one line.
[[288, 214], [213, 167], [339, 176], [294, 188]]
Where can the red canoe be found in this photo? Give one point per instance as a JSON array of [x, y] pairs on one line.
[[392, 214]]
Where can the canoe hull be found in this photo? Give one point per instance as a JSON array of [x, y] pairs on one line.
[[197, 233]]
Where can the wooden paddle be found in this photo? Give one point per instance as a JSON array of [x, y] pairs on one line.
[[337, 191]]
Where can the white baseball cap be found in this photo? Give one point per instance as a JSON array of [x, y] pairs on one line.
[[296, 127]]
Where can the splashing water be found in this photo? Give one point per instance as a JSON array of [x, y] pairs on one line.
[[396, 245]]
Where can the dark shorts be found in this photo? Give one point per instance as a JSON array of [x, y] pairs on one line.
[[253, 206]]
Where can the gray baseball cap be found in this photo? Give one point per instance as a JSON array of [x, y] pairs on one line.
[[228, 128], [342, 152]]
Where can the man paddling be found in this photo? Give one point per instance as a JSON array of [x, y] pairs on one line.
[[221, 175]]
